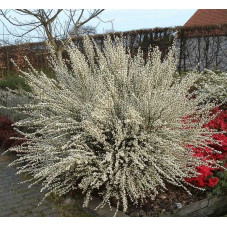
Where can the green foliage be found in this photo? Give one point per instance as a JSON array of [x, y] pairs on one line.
[[13, 81], [221, 187]]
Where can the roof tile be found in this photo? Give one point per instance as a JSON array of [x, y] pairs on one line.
[[207, 17]]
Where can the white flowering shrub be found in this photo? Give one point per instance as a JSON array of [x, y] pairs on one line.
[[112, 124], [214, 84]]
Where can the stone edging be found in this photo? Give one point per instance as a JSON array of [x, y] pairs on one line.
[[214, 205]]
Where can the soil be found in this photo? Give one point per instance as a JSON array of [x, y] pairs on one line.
[[164, 204], [167, 202]]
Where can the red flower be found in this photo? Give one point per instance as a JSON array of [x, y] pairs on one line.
[[220, 124], [205, 171], [213, 181]]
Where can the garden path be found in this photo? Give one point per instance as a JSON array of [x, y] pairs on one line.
[[17, 200]]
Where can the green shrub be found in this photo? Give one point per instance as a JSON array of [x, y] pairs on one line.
[[13, 81], [221, 187]]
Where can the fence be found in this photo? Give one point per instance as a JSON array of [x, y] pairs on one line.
[[206, 45]]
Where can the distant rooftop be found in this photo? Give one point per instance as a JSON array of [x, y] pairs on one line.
[[207, 17]]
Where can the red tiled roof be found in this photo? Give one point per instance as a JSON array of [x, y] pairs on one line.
[[207, 17], [207, 22]]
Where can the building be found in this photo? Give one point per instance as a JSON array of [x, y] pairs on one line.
[[206, 45]]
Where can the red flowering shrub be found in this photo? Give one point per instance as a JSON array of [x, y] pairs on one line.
[[213, 181], [10, 142], [6, 132], [5, 123], [5, 128], [220, 122], [205, 178]]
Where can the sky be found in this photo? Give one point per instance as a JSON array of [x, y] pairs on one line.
[[126, 20], [132, 19]]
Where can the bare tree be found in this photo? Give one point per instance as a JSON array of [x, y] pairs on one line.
[[57, 26], [87, 30]]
